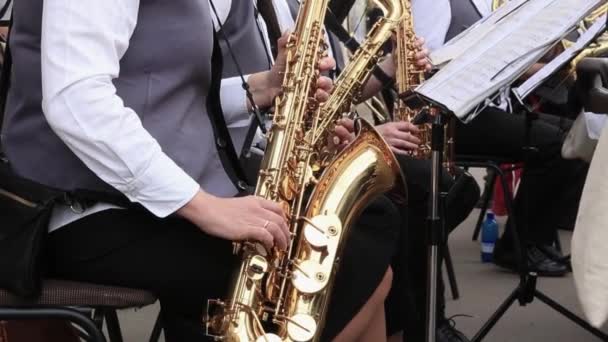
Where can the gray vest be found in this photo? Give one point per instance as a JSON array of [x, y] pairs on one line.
[[246, 41], [249, 49], [164, 82], [294, 7], [464, 15]]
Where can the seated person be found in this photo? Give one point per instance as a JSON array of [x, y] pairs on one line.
[[115, 112]]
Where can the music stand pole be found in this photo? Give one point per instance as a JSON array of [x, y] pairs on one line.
[[435, 222]]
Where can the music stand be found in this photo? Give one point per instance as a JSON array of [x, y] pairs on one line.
[[526, 290], [592, 84], [592, 91], [463, 86], [435, 222]]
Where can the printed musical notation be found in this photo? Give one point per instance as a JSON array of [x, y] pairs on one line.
[[550, 68], [508, 49]]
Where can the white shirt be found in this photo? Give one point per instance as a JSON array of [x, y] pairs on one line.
[[286, 21], [432, 19], [7, 15], [82, 44]]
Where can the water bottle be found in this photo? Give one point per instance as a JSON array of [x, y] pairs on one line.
[[489, 235]]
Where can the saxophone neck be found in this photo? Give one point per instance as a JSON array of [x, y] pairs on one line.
[[408, 75]]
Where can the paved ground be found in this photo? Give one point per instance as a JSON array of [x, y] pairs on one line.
[[482, 287]]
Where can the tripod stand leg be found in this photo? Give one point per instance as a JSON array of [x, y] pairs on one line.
[[496, 316], [449, 266], [570, 315]]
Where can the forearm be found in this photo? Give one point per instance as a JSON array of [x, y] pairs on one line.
[[373, 85]]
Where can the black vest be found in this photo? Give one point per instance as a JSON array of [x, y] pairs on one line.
[[464, 15]]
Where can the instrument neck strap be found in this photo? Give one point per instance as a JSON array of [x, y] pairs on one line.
[[333, 24]]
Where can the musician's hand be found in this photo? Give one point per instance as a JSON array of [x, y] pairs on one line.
[[324, 84], [422, 55], [401, 136], [239, 219], [344, 134]]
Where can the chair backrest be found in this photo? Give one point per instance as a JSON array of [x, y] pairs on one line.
[[592, 84]]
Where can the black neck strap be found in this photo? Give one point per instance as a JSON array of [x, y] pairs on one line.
[[223, 141], [333, 24]]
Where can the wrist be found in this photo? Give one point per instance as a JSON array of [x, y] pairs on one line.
[[388, 65], [264, 87], [197, 208]]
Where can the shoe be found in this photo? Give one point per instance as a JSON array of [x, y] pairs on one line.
[[552, 252], [446, 331], [556, 255], [538, 262]]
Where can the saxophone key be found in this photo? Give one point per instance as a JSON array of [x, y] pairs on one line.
[[269, 338], [301, 327], [321, 230], [310, 277], [258, 266]]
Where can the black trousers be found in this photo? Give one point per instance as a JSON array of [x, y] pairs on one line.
[[185, 267], [550, 187], [406, 305]]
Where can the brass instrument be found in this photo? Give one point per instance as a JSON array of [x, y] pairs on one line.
[[348, 85], [600, 46], [407, 78], [283, 295]]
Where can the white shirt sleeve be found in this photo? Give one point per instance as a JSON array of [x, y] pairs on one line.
[[234, 100], [82, 44]]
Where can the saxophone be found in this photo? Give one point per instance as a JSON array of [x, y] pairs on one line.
[[408, 77], [348, 86], [599, 48], [283, 295]]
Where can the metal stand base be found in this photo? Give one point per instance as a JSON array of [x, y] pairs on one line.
[[525, 294], [526, 290]]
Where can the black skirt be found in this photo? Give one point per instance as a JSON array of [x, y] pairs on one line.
[[185, 267]]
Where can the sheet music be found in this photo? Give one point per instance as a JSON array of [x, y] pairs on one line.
[[543, 74], [466, 39], [512, 45]]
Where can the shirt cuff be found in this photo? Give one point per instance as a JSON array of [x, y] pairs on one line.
[[163, 188], [234, 100]]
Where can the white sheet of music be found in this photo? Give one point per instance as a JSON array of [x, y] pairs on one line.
[[543, 74], [512, 45]]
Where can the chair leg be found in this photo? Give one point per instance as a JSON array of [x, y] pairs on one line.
[[519, 237], [488, 192], [98, 318], [79, 319], [114, 332], [449, 266], [158, 328], [558, 242]]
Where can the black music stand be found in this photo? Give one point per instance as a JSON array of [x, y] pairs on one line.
[[592, 84], [593, 94], [593, 91], [436, 219]]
